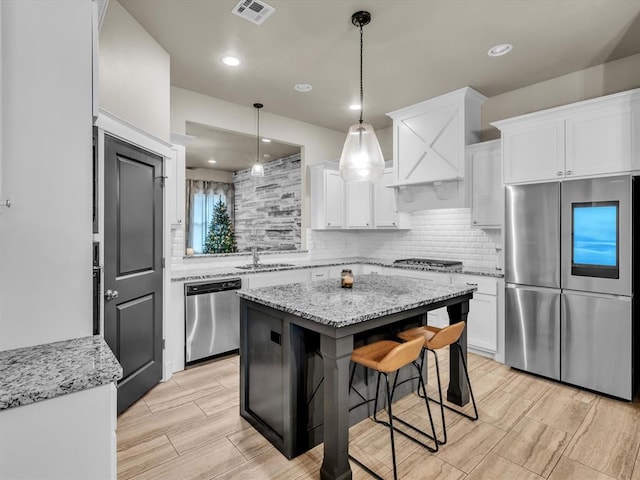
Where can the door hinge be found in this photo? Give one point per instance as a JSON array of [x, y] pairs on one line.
[[163, 262], [163, 344]]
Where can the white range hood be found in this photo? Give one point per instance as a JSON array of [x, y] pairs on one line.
[[429, 142]]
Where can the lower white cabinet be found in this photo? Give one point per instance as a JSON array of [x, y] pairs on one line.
[[72, 437], [482, 321], [321, 273]]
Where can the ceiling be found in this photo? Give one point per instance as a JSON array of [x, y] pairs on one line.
[[413, 49], [231, 151]]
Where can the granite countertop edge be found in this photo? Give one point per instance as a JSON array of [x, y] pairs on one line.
[[324, 314], [40, 372], [227, 271]]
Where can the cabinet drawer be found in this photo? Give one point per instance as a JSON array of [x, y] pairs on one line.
[[486, 285]]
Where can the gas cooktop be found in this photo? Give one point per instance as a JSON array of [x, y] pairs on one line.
[[446, 265]]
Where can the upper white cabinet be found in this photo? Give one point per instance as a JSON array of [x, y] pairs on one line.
[[385, 211], [327, 198], [595, 137], [357, 205], [487, 199], [534, 152]]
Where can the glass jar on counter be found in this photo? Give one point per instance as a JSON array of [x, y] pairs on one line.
[[346, 278]]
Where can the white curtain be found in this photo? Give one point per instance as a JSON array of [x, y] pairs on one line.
[[202, 195]]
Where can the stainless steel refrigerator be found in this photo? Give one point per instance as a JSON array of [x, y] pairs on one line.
[[569, 257]]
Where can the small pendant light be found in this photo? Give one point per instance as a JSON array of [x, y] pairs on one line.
[[361, 159], [258, 169]]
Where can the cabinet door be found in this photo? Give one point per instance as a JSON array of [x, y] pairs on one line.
[[599, 142], [334, 199], [482, 323], [359, 205], [534, 152], [321, 273], [384, 201], [487, 193]]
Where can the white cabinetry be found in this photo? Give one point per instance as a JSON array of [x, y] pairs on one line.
[[320, 273], [590, 138], [357, 205], [327, 198], [72, 437], [385, 211], [482, 320], [487, 193]]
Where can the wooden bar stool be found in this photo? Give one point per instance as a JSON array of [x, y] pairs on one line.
[[385, 357], [435, 338]]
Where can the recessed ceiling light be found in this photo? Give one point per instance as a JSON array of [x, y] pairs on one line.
[[303, 87], [211, 161], [231, 61], [266, 155], [499, 50], [266, 140], [355, 106]]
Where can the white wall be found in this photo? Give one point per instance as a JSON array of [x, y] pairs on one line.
[[134, 77], [318, 143], [46, 235]]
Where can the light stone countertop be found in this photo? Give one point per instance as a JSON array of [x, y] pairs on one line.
[[372, 296], [40, 372], [202, 272]]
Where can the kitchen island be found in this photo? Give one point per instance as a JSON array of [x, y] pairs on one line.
[[296, 338]]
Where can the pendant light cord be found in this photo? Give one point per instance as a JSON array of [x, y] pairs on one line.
[[361, 89], [258, 137]]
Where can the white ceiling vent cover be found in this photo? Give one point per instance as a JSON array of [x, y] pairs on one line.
[[253, 10]]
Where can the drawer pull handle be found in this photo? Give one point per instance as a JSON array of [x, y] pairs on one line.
[[472, 284]]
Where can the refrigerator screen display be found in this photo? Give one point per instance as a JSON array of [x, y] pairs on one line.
[[594, 242]]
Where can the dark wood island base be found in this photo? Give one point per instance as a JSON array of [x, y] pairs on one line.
[[294, 371]]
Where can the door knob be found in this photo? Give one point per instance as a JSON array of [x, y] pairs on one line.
[[111, 294]]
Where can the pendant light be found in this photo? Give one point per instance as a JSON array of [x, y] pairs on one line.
[[361, 159], [258, 169]]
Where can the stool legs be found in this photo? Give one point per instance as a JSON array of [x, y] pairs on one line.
[[440, 402], [389, 390]]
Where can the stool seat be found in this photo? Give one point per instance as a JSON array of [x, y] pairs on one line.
[[387, 355], [435, 338]]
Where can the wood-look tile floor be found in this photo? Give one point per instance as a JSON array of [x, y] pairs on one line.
[[529, 428]]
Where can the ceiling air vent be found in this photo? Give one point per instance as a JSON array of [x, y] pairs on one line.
[[253, 10]]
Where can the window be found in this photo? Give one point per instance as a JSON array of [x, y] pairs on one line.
[[201, 197]]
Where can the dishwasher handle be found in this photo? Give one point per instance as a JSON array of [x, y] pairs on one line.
[[204, 288]]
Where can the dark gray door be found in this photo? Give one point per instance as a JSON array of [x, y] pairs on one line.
[[133, 266]]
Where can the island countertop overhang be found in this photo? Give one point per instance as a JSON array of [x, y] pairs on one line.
[[372, 296]]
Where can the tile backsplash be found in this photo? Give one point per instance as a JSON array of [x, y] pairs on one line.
[[444, 234]]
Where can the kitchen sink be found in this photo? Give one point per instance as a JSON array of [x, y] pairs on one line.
[[262, 266]]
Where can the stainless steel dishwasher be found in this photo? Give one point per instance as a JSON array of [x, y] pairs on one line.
[[212, 318]]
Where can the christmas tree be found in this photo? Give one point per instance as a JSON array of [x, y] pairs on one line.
[[220, 238]]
